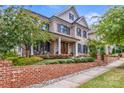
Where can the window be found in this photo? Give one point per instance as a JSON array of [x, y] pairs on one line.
[[85, 49], [45, 27], [63, 29], [47, 47], [71, 16], [80, 48], [78, 32], [85, 34]]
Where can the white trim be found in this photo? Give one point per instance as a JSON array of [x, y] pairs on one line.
[[59, 45], [76, 49], [32, 50], [67, 9]]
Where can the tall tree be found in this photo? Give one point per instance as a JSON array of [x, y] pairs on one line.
[[8, 30], [111, 26], [18, 26]]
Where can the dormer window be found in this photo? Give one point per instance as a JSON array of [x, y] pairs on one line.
[[71, 16]]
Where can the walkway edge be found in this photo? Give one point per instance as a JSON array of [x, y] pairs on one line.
[[75, 79]]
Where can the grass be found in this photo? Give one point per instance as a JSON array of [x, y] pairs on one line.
[[111, 79]]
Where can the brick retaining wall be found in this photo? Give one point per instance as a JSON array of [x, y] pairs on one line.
[[22, 76]]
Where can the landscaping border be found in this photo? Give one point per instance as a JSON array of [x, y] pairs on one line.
[[22, 76]]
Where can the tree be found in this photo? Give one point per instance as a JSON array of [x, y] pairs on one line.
[[8, 33], [96, 46], [30, 30], [111, 26], [19, 27]]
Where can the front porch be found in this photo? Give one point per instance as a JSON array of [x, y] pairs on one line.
[[60, 45], [55, 47]]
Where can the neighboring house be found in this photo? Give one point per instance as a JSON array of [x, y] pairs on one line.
[[93, 36], [70, 33]]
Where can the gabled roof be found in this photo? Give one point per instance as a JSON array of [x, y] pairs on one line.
[[40, 15], [79, 19], [67, 9]]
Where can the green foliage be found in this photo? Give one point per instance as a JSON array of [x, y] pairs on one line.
[[8, 30], [102, 50], [94, 46], [113, 51], [19, 26], [20, 61], [69, 61], [92, 51], [85, 59], [111, 26], [10, 54]]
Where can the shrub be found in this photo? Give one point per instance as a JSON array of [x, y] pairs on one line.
[[20, 61], [11, 54], [85, 59], [48, 62], [77, 60], [61, 61], [92, 51], [89, 59], [70, 61], [11, 58]]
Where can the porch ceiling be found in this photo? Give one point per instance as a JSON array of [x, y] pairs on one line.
[[64, 37]]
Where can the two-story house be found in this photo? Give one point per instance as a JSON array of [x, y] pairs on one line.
[[70, 33]]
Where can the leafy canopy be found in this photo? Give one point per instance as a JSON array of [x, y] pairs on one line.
[[111, 26], [19, 26]]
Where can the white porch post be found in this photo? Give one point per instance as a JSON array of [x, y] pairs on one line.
[[59, 45], [19, 50], [32, 50], [76, 49], [69, 48], [106, 49]]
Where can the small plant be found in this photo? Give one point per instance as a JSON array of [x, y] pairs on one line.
[[20, 61], [70, 61]]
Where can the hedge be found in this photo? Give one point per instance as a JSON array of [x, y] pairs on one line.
[[72, 60], [21, 61]]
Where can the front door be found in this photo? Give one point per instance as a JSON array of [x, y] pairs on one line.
[[64, 48]]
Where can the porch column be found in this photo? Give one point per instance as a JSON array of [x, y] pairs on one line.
[[32, 50], [69, 48], [59, 45], [106, 49], [76, 49]]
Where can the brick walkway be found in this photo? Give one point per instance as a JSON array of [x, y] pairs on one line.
[[74, 80]]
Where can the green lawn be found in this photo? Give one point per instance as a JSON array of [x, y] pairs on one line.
[[111, 79]]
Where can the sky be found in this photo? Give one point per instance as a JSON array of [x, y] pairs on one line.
[[83, 10]]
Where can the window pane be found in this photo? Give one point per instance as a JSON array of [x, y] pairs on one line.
[[78, 32], [84, 49], [71, 16], [84, 34], [63, 29]]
